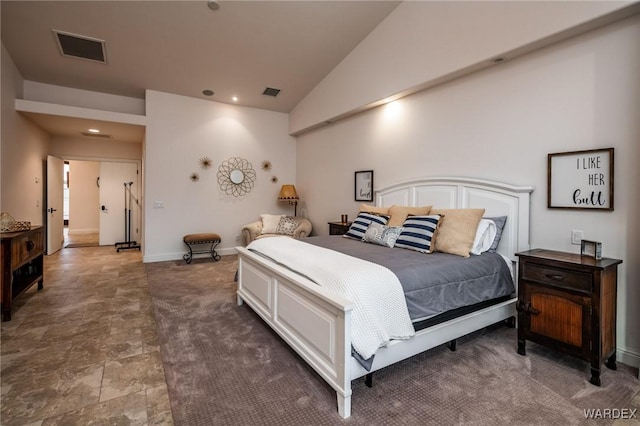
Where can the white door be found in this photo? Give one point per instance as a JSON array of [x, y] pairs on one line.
[[55, 202], [118, 208]]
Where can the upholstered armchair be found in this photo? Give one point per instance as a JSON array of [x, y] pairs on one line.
[[276, 225]]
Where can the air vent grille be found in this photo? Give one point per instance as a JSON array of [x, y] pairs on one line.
[[97, 135], [77, 46], [270, 91]]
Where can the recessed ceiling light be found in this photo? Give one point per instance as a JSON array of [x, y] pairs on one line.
[[497, 60], [234, 99], [207, 92], [94, 131]]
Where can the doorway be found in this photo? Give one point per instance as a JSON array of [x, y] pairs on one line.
[[82, 229], [96, 205]]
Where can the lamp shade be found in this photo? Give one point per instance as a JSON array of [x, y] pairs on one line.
[[287, 193]]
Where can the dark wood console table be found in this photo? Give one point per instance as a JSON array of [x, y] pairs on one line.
[[22, 265]]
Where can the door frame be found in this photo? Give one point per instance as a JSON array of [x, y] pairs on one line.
[[139, 164], [53, 245]]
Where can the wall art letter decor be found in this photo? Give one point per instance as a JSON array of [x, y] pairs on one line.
[[364, 185], [580, 180]]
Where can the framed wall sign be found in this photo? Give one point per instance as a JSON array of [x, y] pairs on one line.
[[364, 185], [580, 180]]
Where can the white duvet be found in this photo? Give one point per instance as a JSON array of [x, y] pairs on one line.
[[380, 312]]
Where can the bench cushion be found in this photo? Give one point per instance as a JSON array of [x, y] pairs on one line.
[[201, 238]]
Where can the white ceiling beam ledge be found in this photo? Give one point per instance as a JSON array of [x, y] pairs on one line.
[[35, 107]]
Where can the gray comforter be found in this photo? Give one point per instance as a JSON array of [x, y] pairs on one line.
[[433, 283]]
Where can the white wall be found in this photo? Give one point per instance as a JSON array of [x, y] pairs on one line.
[[69, 147], [24, 151], [181, 131], [84, 197], [500, 124], [422, 43]]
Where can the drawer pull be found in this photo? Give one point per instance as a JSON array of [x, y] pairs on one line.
[[526, 308], [555, 277], [30, 245]]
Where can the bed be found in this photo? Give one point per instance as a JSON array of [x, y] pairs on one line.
[[317, 324]]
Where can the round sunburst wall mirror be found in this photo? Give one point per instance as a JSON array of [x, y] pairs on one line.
[[236, 176]]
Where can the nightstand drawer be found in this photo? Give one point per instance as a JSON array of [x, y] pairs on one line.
[[556, 277]]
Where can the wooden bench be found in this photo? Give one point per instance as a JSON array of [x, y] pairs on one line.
[[194, 240]]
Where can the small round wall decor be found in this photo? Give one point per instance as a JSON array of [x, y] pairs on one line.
[[205, 162], [236, 176]]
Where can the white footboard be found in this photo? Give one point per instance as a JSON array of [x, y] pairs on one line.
[[314, 323]]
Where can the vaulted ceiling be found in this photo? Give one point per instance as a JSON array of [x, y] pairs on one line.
[[185, 47]]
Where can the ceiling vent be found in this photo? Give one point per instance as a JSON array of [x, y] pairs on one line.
[[270, 91], [82, 47], [97, 135]]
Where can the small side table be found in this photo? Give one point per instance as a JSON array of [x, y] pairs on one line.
[[338, 228]]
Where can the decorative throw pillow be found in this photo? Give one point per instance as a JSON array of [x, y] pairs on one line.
[[270, 222], [382, 235], [418, 233], [457, 230], [400, 213], [485, 234], [362, 222], [500, 222], [287, 225], [373, 209]]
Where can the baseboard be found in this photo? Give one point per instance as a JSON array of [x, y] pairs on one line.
[[83, 231], [628, 357], [178, 256]]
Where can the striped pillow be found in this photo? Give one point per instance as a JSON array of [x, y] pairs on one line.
[[361, 223], [418, 233]]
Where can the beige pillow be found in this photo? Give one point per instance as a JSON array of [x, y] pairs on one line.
[[457, 230], [373, 209], [270, 222], [400, 213]]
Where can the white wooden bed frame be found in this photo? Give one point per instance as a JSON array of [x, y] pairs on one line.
[[317, 324]]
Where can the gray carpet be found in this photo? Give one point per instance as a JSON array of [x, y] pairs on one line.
[[224, 366]]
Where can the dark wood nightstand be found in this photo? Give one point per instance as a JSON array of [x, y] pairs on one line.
[[567, 302], [338, 228]]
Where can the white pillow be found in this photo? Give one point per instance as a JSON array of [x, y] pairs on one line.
[[485, 234], [270, 222]]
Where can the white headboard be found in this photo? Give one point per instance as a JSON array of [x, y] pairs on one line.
[[497, 198]]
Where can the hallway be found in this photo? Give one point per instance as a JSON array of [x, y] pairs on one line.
[[84, 350], [80, 240]]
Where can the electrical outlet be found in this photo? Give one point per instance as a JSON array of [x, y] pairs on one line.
[[238, 238], [576, 237]]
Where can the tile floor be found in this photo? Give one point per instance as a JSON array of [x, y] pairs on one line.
[[84, 350]]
